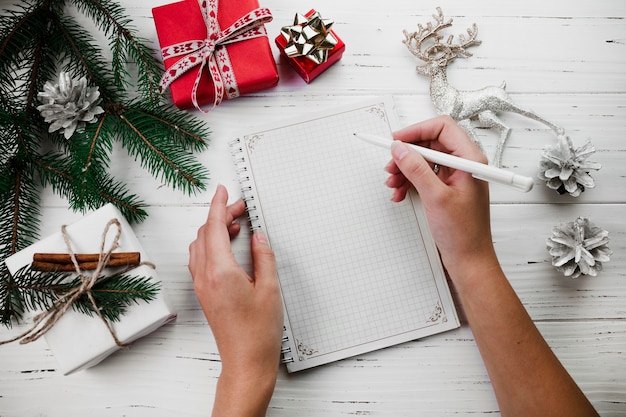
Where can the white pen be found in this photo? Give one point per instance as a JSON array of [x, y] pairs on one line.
[[478, 170]]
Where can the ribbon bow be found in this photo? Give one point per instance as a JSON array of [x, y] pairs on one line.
[[211, 51], [309, 37]]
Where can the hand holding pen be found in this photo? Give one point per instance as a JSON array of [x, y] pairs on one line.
[[457, 206], [479, 170]]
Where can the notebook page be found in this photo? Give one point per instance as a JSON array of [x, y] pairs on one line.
[[353, 266]]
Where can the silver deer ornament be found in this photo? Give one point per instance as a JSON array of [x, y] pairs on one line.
[[463, 106]]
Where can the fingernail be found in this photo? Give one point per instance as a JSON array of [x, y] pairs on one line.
[[399, 150], [260, 237]]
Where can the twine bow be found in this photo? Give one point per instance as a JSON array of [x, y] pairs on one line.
[[44, 321], [211, 52]]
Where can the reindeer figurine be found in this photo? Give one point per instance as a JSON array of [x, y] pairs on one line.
[[463, 106]]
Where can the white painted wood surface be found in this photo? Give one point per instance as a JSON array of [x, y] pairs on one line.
[[566, 60]]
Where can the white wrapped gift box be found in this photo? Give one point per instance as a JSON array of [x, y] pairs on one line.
[[79, 341]]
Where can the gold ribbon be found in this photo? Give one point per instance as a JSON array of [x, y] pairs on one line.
[[309, 37]]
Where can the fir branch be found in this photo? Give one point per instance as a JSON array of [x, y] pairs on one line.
[[11, 307], [19, 213], [114, 294], [149, 69], [54, 170], [35, 290], [160, 155], [126, 45], [110, 191], [19, 225], [19, 35], [75, 49], [89, 154], [164, 121], [37, 40]]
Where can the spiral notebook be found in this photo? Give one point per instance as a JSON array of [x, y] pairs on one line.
[[357, 272]]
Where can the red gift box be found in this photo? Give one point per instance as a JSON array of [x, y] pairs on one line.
[[305, 67], [252, 67]]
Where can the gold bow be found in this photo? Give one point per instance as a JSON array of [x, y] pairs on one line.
[[310, 37]]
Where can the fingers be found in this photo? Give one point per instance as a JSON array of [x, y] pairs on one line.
[[409, 168], [215, 231], [234, 211], [263, 259], [213, 240], [442, 133], [415, 169]]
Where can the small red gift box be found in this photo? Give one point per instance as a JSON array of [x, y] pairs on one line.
[[252, 67], [306, 67]]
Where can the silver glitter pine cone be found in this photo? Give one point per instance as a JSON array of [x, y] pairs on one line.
[[579, 248], [69, 104], [566, 169]]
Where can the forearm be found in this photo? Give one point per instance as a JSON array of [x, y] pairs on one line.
[[527, 377]]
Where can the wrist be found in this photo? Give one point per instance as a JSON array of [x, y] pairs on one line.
[[260, 374], [243, 393], [473, 271]]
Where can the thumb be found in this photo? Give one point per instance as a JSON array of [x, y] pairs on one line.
[[262, 258], [414, 167]]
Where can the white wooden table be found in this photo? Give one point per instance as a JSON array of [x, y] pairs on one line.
[[566, 60]]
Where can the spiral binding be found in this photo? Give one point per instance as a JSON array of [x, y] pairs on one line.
[[241, 169], [247, 192], [285, 349]]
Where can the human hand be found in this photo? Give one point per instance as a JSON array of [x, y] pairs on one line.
[[244, 312], [456, 204]]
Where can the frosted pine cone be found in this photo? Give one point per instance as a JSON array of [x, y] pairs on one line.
[[69, 104], [579, 247], [565, 169]]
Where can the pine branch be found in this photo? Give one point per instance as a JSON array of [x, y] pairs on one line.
[[11, 307], [126, 45], [89, 155], [18, 31], [114, 294], [37, 40], [160, 155], [19, 37], [75, 49], [19, 225], [35, 290], [55, 171], [19, 213], [164, 121]]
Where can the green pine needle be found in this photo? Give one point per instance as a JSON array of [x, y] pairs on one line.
[[38, 40], [35, 290]]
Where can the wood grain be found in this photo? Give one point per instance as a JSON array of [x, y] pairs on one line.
[[565, 60]]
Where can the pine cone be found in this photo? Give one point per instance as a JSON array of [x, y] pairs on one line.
[[579, 247], [565, 169], [69, 104]]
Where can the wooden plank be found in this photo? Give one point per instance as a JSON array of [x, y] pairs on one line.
[[519, 234], [599, 118], [535, 47], [176, 369], [565, 60]]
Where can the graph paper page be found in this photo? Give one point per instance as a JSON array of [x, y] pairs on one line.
[[357, 272]]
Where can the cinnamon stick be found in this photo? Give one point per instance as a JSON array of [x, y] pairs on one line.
[[62, 262]]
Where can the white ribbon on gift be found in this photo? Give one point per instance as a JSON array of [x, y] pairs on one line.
[[211, 52]]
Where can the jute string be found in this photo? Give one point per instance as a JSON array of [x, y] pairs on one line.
[[44, 321]]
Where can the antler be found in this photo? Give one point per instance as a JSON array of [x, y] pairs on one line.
[[438, 50]]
